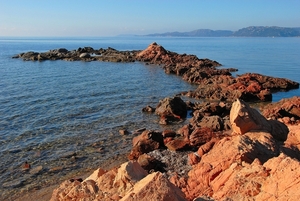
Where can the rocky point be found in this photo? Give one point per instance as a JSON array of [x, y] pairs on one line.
[[227, 151]]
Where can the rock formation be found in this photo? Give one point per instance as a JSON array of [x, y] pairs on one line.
[[214, 83], [227, 151], [251, 163]]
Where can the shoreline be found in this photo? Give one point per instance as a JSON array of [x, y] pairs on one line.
[[162, 57]]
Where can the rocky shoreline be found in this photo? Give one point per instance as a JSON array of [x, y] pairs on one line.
[[228, 150]]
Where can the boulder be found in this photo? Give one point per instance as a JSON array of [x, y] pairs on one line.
[[129, 182], [200, 136], [145, 142], [84, 55], [244, 119], [154, 187], [215, 123], [174, 107], [177, 144]]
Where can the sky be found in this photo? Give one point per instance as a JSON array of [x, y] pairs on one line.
[[140, 17]]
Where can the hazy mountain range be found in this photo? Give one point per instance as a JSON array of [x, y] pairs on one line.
[[252, 31]]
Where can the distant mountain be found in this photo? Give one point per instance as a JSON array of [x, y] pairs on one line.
[[252, 31], [196, 33], [262, 31]]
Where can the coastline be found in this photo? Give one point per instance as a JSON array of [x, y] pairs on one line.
[[189, 94]]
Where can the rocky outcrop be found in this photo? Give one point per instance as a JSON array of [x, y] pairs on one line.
[[146, 142], [285, 108], [250, 87], [171, 109], [244, 119], [226, 152], [129, 182], [214, 83], [81, 54], [244, 166], [256, 161]]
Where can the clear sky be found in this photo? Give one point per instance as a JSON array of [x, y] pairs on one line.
[[114, 17]]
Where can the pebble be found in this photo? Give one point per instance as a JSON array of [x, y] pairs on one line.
[[124, 132], [36, 170]]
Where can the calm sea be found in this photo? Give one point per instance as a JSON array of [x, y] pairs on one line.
[[52, 110]]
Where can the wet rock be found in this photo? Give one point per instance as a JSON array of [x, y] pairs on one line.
[[26, 166], [144, 143], [124, 132], [36, 170], [139, 131], [149, 109], [172, 107], [84, 55], [69, 154], [148, 163]]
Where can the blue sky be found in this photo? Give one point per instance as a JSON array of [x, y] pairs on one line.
[[114, 17]]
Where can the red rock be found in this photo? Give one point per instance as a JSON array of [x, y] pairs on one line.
[[168, 133], [243, 119], [167, 140], [144, 143], [185, 131], [177, 144], [147, 162], [289, 107], [193, 158], [174, 108], [26, 166], [200, 136], [154, 187], [129, 182], [241, 149], [203, 149]]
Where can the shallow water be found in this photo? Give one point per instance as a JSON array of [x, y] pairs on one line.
[[65, 116]]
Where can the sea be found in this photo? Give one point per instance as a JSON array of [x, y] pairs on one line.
[[63, 118]]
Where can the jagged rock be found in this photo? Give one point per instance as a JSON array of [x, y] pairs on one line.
[[277, 179], [146, 142], [129, 182], [289, 107], [148, 108], [177, 144], [215, 123], [84, 55], [154, 187], [172, 107], [243, 119], [227, 151], [200, 136]]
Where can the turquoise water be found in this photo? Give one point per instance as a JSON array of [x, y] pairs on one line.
[[51, 108]]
